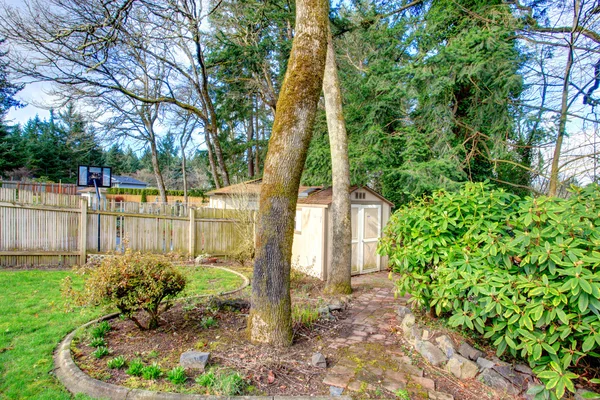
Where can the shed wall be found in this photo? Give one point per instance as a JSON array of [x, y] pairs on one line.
[[307, 249]]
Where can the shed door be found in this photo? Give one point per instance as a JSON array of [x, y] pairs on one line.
[[366, 229]]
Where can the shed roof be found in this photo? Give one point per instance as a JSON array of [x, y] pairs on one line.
[[250, 187], [314, 194], [325, 196]]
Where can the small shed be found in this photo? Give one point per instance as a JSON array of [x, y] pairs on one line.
[[311, 250]]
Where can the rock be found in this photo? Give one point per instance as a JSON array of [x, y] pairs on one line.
[[461, 367], [440, 396], [469, 351], [485, 363], [319, 360], [446, 345], [412, 335], [324, 310], [408, 322], [524, 369], [431, 353], [426, 334], [336, 306], [495, 380], [194, 360], [580, 393], [511, 375], [403, 311], [335, 391], [423, 383]]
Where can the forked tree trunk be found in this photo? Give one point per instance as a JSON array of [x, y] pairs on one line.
[[338, 277], [270, 315], [157, 172]]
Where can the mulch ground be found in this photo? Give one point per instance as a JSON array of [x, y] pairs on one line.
[[270, 370]]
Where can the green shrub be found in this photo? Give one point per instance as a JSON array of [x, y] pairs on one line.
[[177, 375], [98, 342], [154, 192], [150, 372], [132, 282], [100, 352], [100, 330], [135, 367], [116, 363], [521, 272]]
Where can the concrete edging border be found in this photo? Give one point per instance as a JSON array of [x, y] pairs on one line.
[[76, 381]]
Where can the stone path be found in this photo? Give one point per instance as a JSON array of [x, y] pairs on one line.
[[372, 358]]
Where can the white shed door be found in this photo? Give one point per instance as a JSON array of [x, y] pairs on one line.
[[366, 229]]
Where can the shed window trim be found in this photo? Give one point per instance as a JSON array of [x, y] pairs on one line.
[[298, 222]]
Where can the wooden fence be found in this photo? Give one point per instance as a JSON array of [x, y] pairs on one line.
[[39, 187], [52, 229]]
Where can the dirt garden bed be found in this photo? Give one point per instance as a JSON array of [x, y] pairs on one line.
[[360, 337], [202, 325]]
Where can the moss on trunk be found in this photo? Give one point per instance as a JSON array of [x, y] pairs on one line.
[[270, 316]]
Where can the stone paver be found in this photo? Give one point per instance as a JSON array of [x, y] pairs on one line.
[[372, 356]]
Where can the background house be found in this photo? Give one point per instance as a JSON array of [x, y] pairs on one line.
[[311, 249], [127, 182]]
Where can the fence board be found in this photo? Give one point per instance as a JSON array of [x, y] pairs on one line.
[[45, 228]]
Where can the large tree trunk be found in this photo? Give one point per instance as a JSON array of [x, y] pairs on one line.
[[219, 153], [338, 277], [270, 315], [157, 173], [562, 124], [211, 160], [184, 173]]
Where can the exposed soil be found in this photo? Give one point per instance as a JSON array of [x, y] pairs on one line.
[[270, 370], [361, 341]]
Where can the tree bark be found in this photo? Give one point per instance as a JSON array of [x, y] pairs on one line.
[[270, 315], [564, 108], [184, 173], [157, 173], [211, 160], [339, 276]]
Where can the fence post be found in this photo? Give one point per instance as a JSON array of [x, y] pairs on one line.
[[83, 231], [192, 233]]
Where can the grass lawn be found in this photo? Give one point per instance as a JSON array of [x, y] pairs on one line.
[[33, 320]]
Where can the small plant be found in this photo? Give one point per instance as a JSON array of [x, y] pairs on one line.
[[231, 384], [208, 322], [226, 383], [100, 330], [116, 363], [177, 375], [98, 342], [305, 316], [151, 371], [100, 352], [207, 379], [402, 394], [153, 354], [135, 367]]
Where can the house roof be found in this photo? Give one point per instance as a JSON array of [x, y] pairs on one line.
[[325, 196], [251, 187], [127, 180], [307, 194]]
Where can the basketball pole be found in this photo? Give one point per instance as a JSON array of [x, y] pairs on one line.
[[98, 209]]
